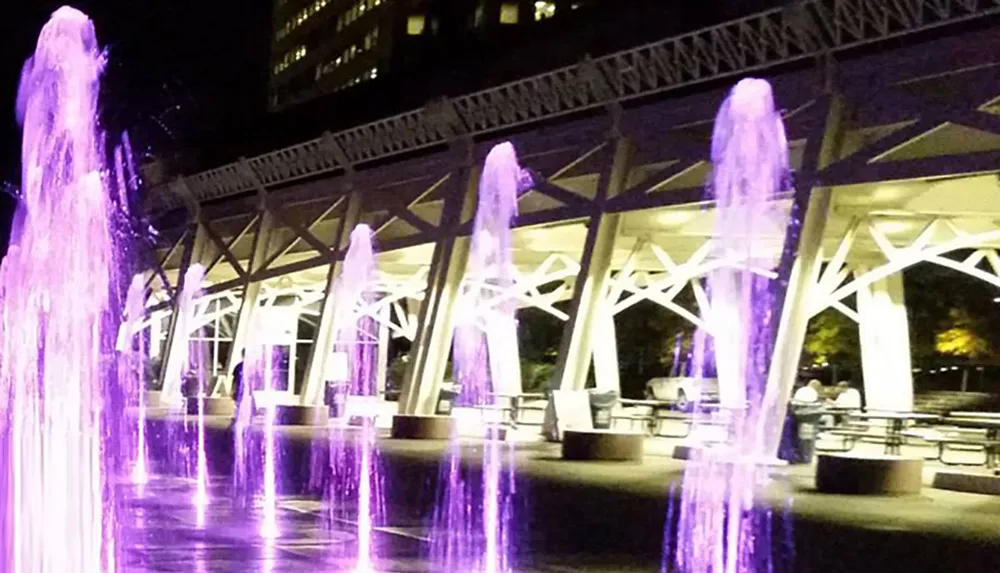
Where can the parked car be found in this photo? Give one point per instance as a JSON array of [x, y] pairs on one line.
[[683, 391]]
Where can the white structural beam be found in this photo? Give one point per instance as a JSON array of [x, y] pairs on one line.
[[249, 302], [885, 344], [589, 302], [195, 252], [324, 343], [436, 322], [804, 274]]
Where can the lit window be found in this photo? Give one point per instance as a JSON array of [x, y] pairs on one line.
[[508, 13], [415, 25], [477, 20], [340, 22], [544, 10]]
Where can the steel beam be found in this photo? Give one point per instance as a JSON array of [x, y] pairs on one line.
[[325, 341], [588, 304], [805, 243], [435, 324]]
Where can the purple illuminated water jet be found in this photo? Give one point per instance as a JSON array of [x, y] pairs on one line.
[[719, 529], [357, 476], [133, 349], [60, 320], [472, 519]]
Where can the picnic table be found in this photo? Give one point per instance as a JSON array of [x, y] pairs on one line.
[[895, 424], [984, 421]]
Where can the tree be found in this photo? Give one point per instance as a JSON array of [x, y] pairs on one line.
[[962, 336], [833, 338]]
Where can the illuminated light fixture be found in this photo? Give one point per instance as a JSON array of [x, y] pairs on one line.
[[415, 25], [509, 13], [544, 10], [674, 218], [891, 227]]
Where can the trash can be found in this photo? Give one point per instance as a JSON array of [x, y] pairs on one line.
[[446, 399], [336, 397], [601, 404], [800, 433]]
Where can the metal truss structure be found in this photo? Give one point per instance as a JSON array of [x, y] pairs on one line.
[[809, 29], [895, 156]]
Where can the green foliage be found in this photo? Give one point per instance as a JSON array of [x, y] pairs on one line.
[[962, 336], [833, 338]]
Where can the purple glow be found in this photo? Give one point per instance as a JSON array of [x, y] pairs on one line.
[[60, 316], [472, 522], [718, 527]]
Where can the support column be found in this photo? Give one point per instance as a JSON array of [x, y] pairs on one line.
[[382, 358], [251, 294], [606, 372], [177, 332], [885, 344], [323, 345], [802, 278], [588, 310], [432, 344]]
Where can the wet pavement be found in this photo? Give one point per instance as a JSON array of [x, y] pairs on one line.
[[165, 533]]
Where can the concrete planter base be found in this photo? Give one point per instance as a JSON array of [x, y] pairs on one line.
[[301, 415], [414, 427], [212, 406], [602, 445], [869, 475]]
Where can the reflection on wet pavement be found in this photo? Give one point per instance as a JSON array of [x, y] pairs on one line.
[[162, 535]]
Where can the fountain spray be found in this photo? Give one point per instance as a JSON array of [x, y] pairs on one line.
[[58, 320]]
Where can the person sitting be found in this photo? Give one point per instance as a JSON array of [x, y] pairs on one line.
[[847, 397], [808, 394]]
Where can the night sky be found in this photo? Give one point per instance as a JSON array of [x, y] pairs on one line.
[[180, 71]]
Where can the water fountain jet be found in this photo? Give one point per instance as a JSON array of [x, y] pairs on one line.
[[59, 321], [719, 528]]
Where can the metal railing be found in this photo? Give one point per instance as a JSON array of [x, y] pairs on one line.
[[767, 39]]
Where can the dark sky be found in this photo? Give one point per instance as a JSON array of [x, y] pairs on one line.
[[179, 72]]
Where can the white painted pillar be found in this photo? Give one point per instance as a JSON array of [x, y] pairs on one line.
[[802, 279], [885, 344], [588, 311], [382, 358], [606, 373], [323, 345], [251, 295], [178, 335], [432, 344]]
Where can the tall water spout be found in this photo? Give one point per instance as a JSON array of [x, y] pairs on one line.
[[357, 471], [473, 519], [59, 320], [719, 529], [133, 349]]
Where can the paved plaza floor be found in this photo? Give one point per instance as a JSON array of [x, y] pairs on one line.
[[165, 533], [577, 516]]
